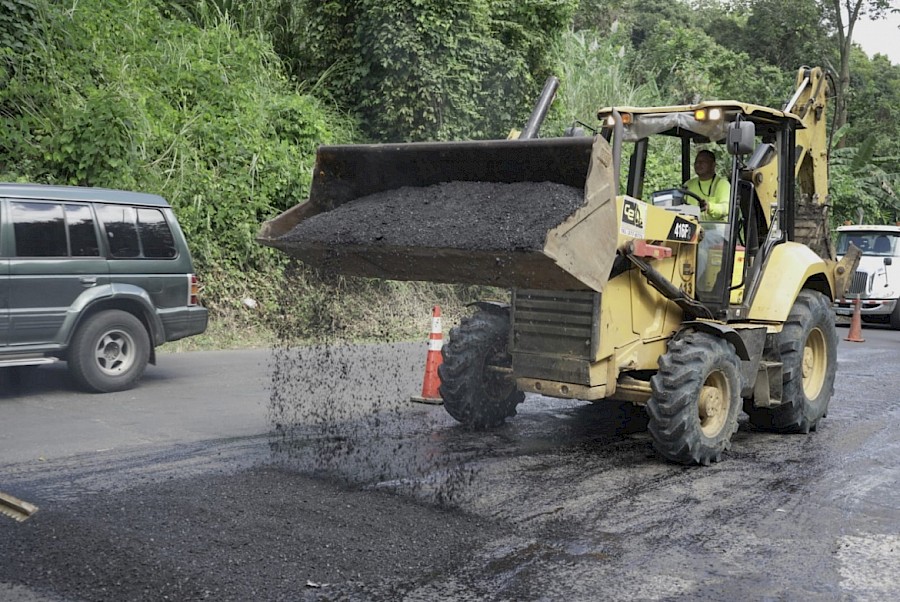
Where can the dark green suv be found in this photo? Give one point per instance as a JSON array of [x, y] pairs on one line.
[[95, 277]]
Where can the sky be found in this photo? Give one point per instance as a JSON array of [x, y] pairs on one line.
[[880, 36]]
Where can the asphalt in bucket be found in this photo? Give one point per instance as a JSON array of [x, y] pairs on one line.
[[478, 216]]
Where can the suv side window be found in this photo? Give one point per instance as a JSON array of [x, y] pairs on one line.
[[53, 230], [136, 232], [82, 233], [156, 238], [121, 232]]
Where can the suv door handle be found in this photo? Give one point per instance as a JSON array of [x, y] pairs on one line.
[[88, 281]]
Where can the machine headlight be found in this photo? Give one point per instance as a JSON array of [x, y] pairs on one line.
[[610, 121], [711, 114]]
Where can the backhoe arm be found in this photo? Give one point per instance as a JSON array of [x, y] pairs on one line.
[[811, 225]]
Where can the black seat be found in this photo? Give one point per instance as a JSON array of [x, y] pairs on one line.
[[882, 244]]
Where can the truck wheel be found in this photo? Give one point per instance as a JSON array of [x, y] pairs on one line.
[[808, 348], [895, 317], [475, 394], [109, 352], [695, 399]]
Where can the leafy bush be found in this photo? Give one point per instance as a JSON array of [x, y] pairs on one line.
[[17, 20], [115, 94], [862, 191], [431, 69]]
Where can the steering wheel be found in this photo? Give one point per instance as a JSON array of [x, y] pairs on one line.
[[700, 201]]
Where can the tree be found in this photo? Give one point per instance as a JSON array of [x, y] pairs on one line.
[[844, 14], [784, 34], [598, 15], [432, 69], [858, 182], [689, 66], [645, 16]]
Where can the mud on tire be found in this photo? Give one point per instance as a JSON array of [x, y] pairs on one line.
[[475, 395], [807, 346], [695, 399]]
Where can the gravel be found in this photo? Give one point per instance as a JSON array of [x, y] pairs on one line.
[[483, 216], [262, 534]]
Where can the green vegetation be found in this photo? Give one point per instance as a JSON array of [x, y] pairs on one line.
[[218, 105], [114, 94]]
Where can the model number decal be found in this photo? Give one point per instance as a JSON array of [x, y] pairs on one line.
[[682, 230]]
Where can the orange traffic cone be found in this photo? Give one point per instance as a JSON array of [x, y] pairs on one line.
[[431, 382], [855, 334]]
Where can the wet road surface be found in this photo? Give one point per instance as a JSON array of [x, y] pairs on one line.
[[354, 493]]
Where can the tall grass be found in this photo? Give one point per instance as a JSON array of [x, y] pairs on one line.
[[594, 73]]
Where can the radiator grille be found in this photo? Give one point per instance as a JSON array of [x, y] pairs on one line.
[[555, 322], [860, 283]]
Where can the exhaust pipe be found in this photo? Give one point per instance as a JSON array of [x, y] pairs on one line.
[[539, 113]]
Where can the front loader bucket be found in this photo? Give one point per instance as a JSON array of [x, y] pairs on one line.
[[511, 213]]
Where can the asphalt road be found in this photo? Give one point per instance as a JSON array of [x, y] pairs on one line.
[[184, 398], [308, 475]]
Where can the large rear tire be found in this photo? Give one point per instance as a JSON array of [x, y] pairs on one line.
[[695, 399], [807, 346], [475, 392]]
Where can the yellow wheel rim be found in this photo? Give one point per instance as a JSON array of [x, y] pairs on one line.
[[815, 364], [715, 396]]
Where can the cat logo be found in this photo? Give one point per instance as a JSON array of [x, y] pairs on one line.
[[631, 214], [682, 230], [632, 223]]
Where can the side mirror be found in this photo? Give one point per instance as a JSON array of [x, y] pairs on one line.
[[740, 137], [888, 261]]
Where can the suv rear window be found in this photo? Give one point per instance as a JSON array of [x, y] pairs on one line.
[[156, 238], [133, 233], [54, 230]]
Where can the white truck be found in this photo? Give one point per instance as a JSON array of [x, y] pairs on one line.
[[877, 278]]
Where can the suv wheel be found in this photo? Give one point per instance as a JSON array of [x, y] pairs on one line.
[[109, 352]]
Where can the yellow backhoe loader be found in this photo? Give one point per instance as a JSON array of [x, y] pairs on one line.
[[617, 292]]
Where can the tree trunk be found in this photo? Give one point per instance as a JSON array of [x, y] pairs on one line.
[[845, 47]]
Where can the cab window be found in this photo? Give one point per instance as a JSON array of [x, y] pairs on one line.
[[870, 243]]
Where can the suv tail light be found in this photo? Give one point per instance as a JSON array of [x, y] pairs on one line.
[[193, 290]]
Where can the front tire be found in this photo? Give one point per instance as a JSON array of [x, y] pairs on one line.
[[695, 399], [109, 352], [476, 383], [895, 317], [808, 348]]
